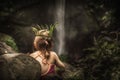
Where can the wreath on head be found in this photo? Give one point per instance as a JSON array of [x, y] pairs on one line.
[[44, 31]]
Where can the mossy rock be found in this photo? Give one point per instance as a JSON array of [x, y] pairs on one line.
[[19, 66]]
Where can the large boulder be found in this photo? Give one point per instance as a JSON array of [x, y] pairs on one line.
[[19, 66]]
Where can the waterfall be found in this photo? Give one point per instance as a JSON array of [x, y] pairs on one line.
[[59, 18]]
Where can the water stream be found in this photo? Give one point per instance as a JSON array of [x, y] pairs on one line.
[[59, 18]]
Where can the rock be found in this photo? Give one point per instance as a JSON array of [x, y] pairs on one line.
[[4, 48], [19, 66]]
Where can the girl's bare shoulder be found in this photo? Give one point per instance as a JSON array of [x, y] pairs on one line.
[[34, 54], [53, 53]]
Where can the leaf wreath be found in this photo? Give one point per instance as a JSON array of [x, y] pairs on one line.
[[38, 28]]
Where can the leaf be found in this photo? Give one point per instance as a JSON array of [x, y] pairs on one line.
[[104, 44], [35, 30], [52, 29], [91, 49], [39, 27], [95, 41], [46, 26]]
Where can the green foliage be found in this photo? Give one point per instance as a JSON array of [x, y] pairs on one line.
[[9, 41], [102, 61], [101, 12], [64, 57], [50, 28]]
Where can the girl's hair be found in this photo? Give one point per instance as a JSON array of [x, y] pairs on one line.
[[44, 45]]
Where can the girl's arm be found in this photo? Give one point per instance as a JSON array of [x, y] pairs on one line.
[[58, 62]]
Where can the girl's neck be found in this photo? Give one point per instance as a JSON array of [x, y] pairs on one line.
[[43, 53]]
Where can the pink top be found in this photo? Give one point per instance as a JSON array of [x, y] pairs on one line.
[[51, 70]]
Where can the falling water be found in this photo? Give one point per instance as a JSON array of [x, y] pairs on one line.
[[60, 13]]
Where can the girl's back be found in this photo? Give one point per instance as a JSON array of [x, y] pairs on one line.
[[47, 65]]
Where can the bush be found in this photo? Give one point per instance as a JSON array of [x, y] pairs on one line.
[[102, 61]]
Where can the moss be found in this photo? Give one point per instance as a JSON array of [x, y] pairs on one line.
[[9, 41]]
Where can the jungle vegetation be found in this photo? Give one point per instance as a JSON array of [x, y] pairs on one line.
[[100, 56]]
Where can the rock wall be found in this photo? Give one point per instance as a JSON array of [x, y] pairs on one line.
[[78, 23]]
